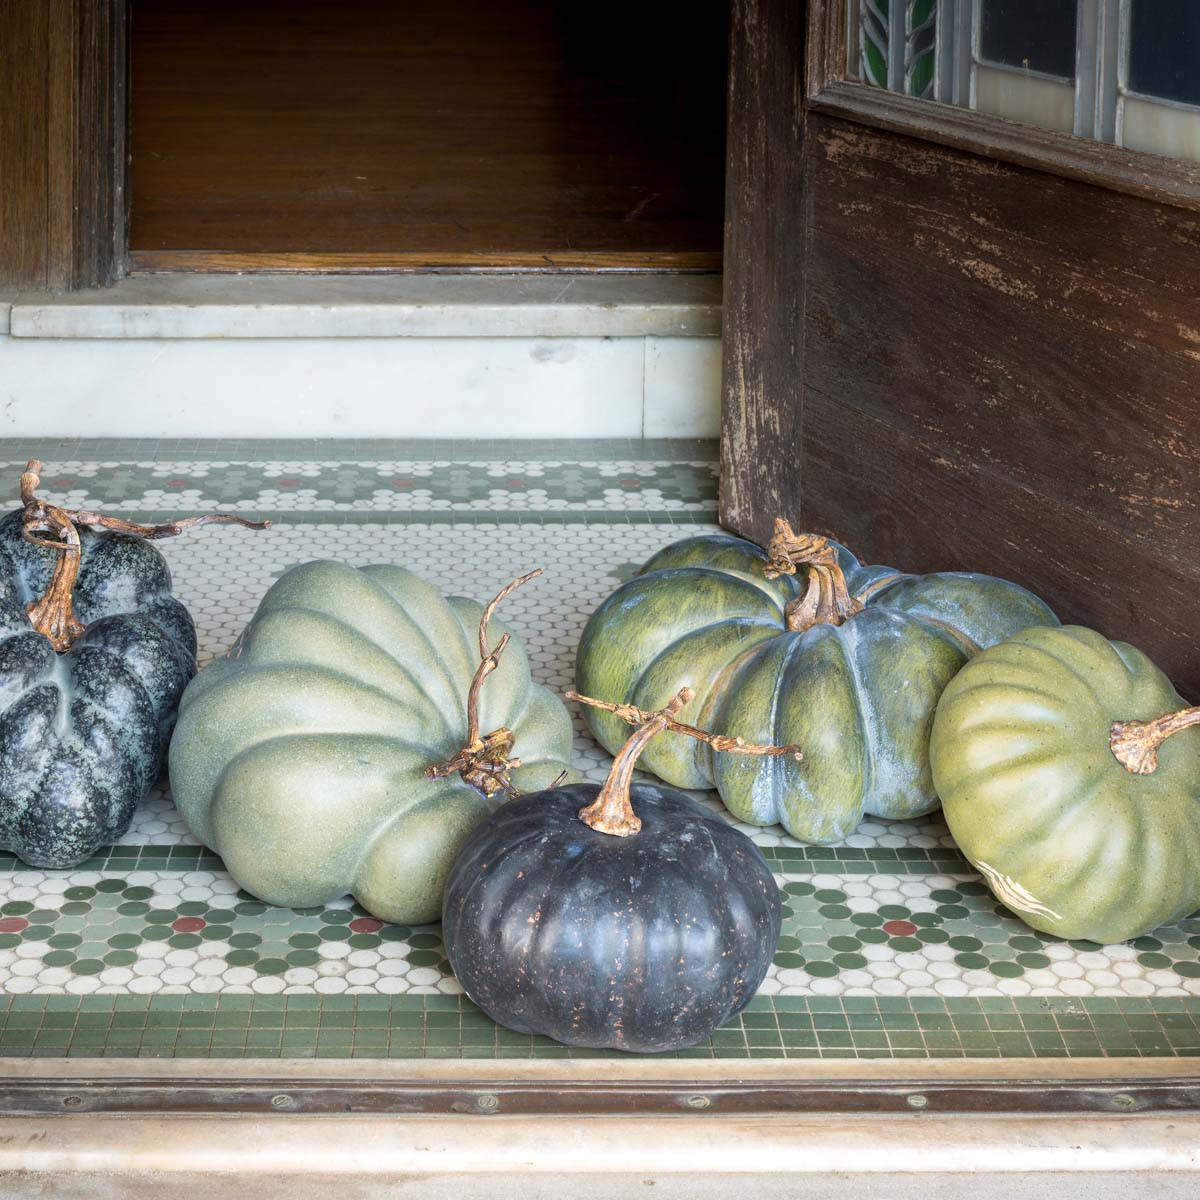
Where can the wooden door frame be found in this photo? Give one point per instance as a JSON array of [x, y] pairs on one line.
[[63, 143]]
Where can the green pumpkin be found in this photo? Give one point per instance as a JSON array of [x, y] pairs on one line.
[[847, 661], [1025, 759], [301, 757]]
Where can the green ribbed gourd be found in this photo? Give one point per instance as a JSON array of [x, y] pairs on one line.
[[1069, 770], [799, 643], [335, 751]]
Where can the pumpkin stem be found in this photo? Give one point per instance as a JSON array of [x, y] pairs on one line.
[[484, 762], [1135, 743], [612, 810], [826, 599], [45, 524]]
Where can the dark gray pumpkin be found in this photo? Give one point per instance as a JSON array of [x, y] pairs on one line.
[[639, 943], [83, 733]]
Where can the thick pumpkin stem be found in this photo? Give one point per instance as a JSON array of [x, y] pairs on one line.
[[45, 524], [484, 762], [826, 599], [612, 810], [1135, 743]]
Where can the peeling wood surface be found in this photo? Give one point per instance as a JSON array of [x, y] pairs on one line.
[[1002, 373], [763, 405]]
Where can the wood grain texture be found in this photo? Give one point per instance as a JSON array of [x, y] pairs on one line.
[[392, 262], [763, 403], [1002, 373], [62, 142], [24, 29], [464, 131]]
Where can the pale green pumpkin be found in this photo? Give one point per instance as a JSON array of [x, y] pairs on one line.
[[1076, 843], [843, 659], [300, 758]]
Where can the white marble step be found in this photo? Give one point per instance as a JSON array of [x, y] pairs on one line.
[[366, 356]]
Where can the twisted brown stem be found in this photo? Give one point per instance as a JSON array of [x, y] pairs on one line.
[[826, 599], [53, 615], [612, 810], [1135, 743], [484, 762]]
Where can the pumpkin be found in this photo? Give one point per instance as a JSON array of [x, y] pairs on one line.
[[301, 758], [1071, 780], [94, 653], [849, 663], [622, 916]]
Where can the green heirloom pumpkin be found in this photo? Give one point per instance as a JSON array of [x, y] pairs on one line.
[[850, 666], [1051, 755], [329, 752]]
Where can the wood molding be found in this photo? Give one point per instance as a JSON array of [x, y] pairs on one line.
[[420, 262], [63, 138], [830, 92], [762, 405]]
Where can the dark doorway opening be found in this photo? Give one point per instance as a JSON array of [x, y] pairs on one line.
[[374, 134]]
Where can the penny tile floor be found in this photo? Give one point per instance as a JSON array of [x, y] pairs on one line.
[[892, 947]]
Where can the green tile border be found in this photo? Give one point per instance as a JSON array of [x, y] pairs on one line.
[[795, 860], [15, 451], [414, 1026], [465, 516]]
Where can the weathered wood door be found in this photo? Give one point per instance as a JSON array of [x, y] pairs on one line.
[[961, 360]]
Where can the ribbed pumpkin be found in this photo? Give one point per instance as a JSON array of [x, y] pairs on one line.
[[849, 662], [303, 758], [623, 916], [94, 654], [1071, 779]]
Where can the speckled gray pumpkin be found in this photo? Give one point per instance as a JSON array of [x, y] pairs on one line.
[[859, 698], [83, 733], [300, 757]]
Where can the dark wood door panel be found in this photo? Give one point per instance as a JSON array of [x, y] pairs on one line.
[[1002, 373], [62, 142]]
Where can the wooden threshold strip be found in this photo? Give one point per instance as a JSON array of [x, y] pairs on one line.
[[422, 262]]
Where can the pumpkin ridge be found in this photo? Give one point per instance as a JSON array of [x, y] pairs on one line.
[[1039, 647], [450, 728], [446, 684], [72, 661], [444, 702], [703, 757], [991, 684], [759, 584], [867, 727], [943, 629]]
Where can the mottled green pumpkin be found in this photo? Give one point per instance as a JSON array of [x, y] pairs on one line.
[[1076, 843], [846, 660], [300, 758]]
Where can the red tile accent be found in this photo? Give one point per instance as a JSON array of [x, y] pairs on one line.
[[188, 924], [12, 924], [899, 928], [366, 925]]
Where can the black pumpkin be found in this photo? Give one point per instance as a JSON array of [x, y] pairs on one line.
[[90, 675], [567, 915]]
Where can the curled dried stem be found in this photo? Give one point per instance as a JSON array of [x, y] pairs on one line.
[[612, 810], [484, 762], [1135, 743], [56, 528], [826, 599]]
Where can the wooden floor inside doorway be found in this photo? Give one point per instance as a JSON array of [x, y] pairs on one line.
[[387, 135]]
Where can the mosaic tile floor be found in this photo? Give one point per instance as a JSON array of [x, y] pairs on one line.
[[891, 945]]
